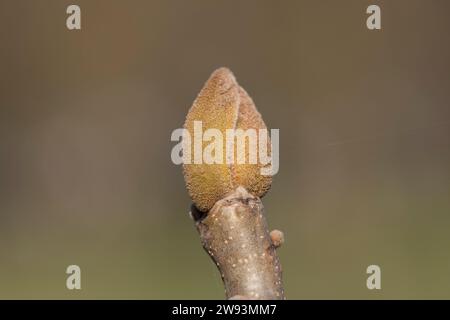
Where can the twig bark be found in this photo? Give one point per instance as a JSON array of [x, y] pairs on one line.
[[235, 235]]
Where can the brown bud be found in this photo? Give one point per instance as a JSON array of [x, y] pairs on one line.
[[222, 104]]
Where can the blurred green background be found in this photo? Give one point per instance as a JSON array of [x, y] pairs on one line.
[[85, 123]]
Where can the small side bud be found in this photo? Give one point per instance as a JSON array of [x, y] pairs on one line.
[[277, 238]]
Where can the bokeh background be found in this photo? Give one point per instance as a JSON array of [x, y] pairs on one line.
[[85, 123]]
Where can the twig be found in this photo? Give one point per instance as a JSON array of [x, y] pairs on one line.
[[235, 235]]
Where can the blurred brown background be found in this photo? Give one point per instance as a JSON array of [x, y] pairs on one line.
[[85, 123]]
